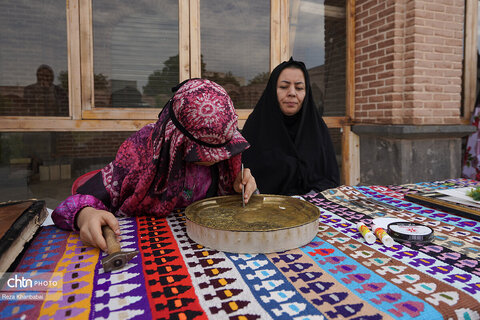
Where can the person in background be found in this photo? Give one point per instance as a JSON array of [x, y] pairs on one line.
[[192, 152], [291, 150], [471, 156], [44, 98]]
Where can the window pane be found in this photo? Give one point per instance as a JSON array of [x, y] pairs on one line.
[[135, 52], [33, 58], [336, 135], [318, 38], [235, 44], [43, 165]]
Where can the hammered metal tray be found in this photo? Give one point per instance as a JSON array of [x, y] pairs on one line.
[[268, 223]]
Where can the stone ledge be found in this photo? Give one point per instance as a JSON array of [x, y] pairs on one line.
[[414, 131]]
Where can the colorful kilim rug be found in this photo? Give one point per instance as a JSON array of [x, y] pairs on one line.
[[337, 276]]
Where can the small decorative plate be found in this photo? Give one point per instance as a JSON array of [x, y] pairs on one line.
[[268, 223]]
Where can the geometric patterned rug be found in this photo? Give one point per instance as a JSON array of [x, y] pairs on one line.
[[336, 276]]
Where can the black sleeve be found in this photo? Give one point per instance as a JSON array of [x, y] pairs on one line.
[[94, 186]]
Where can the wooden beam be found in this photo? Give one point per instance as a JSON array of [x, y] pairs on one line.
[[470, 65], [124, 120], [86, 54], [350, 141], [337, 122], [350, 157], [332, 123], [284, 30], [73, 54], [275, 42], [243, 113], [184, 39], [55, 124], [121, 114], [350, 67], [195, 47], [293, 22]]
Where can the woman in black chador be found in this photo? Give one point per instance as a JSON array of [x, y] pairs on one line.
[[291, 150]]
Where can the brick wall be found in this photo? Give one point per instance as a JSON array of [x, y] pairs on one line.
[[408, 61]]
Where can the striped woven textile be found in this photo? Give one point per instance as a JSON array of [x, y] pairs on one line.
[[336, 276]]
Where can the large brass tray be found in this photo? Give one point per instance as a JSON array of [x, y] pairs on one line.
[[268, 223]]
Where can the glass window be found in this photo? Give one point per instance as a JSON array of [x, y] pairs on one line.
[[135, 52], [33, 58], [44, 165], [318, 38], [235, 47]]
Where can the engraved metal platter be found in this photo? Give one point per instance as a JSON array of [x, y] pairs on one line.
[[268, 223]]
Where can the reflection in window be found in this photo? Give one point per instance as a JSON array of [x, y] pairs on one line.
[[43, 165], [235, 37], [33, 58], [135, 52], [336, 135], [318, 38]]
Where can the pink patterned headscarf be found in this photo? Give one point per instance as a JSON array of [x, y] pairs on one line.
[[149, 173], [204, 122]]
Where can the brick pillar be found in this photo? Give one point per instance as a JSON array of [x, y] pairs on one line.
[[408, 74]]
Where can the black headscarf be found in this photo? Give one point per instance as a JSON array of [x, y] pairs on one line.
[[289, 154]]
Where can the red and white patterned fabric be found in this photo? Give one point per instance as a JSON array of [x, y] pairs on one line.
[[154, 170]]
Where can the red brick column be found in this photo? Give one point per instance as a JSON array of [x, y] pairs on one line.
[[408, 61], [408, 89]]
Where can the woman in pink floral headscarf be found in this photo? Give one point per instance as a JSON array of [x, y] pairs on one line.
[[192, 152]]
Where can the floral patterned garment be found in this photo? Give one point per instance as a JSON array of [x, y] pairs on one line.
[[154, 170], [471, 160]]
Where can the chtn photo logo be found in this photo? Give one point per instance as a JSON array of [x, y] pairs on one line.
[[19, 282], [34, 281], [47, 286]]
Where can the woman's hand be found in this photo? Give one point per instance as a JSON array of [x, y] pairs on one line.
[[90, 222], [248, 181]]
